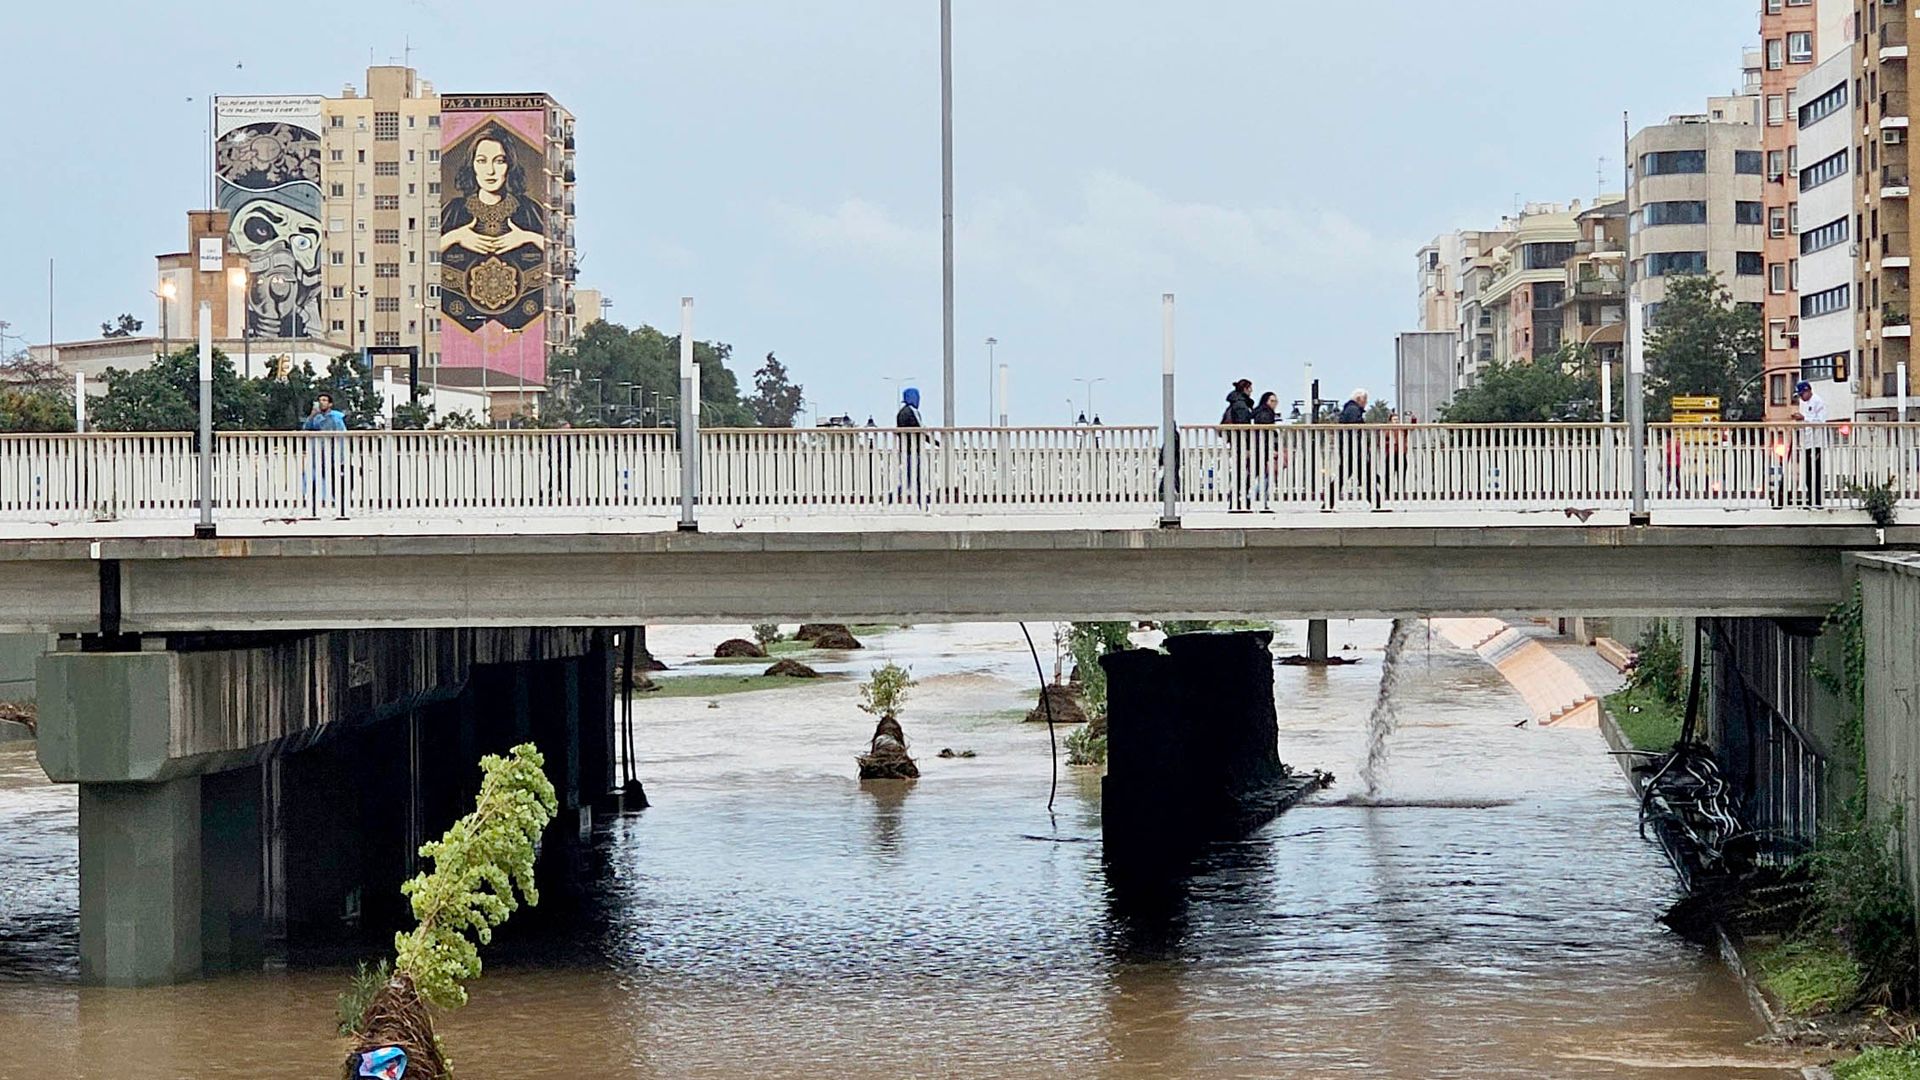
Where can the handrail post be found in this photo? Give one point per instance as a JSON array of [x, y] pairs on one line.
[[204, 528], [1169, 454], [689, 421]]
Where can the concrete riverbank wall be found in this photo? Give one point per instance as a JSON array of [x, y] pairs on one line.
[[1890, 614]]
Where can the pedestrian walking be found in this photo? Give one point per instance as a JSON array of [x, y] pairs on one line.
[[1266, 448], [1811, 411], [909, 422], [1356, 458], [1238, 415]]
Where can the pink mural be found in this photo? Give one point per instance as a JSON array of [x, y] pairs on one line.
[[493, 234]]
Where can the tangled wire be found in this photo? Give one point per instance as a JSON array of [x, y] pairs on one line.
[[1690, 803]]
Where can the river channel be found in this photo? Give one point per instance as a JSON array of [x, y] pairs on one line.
[[770, 918]]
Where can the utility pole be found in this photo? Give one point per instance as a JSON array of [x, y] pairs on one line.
[[1636, 403], [1169, 454], [946, 211]]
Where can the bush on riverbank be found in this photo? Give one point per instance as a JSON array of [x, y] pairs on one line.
[[1809, 976], [1882, 1063], [1648, 721]]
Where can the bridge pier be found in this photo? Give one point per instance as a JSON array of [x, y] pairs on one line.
[[253, 788], [1192, 748]]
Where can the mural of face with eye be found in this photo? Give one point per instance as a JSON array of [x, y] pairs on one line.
[[282, 246], [490, 165]]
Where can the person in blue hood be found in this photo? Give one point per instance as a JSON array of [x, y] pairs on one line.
[[909, 417]]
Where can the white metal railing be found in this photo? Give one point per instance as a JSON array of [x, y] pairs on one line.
[[872, 472], [108, 477]]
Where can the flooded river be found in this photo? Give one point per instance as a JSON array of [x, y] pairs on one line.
[[769, 918]]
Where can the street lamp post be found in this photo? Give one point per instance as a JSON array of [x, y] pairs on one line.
[[1169, 457], [1088, 385], [946, 211], [237, 278], [991, 342], [166, 292]]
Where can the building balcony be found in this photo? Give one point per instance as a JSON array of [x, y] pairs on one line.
[[1895, 181], [1600, 289], [1894, 252], [1893, 37]]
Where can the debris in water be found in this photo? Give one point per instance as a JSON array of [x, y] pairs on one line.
[[1385, 717]]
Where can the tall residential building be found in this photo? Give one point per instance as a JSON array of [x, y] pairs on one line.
[[1476, 331], [338, 206], [1529, 283], [1594, 305], [1795, 35], [1821, 326], [1439, 269], [1882, 190], [1694, 207]]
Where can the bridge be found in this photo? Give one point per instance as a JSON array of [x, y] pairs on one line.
[[270, 651]]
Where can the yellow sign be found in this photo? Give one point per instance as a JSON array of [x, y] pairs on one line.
[[1696, 409]]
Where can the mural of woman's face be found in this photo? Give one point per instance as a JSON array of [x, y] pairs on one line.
[[490, 166]]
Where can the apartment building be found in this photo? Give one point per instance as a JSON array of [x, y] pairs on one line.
[[1528, 283], [1795, 36], [1439, 279], [1594, 302], [337, 205], [1821, 269], [1882, 188], [1694, 206]]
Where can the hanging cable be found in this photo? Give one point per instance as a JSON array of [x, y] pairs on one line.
[[1046, 704]]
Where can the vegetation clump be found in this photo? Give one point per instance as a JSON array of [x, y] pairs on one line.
[[883, 695], [479, 866]]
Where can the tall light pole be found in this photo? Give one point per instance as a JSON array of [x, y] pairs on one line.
[[166, 292], [1169, 457], [991, 342], [1088, 385], [237, 281], [1636, 403], [946, 212]]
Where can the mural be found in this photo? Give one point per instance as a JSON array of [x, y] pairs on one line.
[[493, 234], [266, 165]]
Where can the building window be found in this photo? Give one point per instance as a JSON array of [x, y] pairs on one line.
[[433, 155], [413, 189], [1777, 389], [1824, 170], [337, 258], [433, 221], [1745, 162], [1545, 256], [386, 168], [386, 270], [1826, 302], [1823, 106], [1776, 164], [337, 121], [1663, 263], [1777, 221], [433, 119], [338, 292], [386, 202], [433, 293], [360, 257], [1672, 162], [386, 236], [1823, 368], [1749, 213], [1777, 279], [1776, 110], [1800, 47], [1776, 54], [1824, 237], [386, 337], [1677, 213], [433, 187], [1749, 263], [360, 156], [339, 324], [386, 303], [411, 152], [337, 155], [386, 126]]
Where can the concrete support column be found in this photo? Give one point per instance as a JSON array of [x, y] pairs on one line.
[[140, 875], [1317, 640], [232, 861]]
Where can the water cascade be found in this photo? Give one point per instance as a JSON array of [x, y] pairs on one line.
[[1385, 716]]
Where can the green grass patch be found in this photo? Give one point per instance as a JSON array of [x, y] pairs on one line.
[[1809, 976], [1882, 1063], [719, 685], [1648, 721], [787, 647], [861, 630]]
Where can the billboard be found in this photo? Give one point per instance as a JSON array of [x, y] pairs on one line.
[[493, 233], [266, 169]]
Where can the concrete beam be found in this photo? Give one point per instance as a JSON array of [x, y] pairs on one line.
[[49, 587], [150, 716]]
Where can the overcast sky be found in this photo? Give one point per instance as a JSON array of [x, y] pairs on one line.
[[1275, 163]]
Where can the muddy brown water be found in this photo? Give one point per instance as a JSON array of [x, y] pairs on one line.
[[770, 918]]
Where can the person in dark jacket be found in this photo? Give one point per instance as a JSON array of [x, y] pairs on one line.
[[1356, 458], [1239, 412], [1266, 451], [908, 420]]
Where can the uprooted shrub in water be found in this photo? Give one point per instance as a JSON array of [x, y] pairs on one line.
[[478, 866]]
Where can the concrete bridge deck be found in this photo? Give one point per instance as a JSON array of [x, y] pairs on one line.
[[126, 586]]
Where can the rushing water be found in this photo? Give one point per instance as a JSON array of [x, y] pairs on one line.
[[771, 918], [1385, 716]]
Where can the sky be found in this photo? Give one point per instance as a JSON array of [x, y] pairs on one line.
[[1274, 163]]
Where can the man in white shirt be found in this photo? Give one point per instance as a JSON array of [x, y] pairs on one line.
[[1812, 414]]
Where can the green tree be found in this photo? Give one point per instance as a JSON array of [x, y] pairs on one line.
[[35, 398], [1563, 386], [165, 396], [613, 365], [776, 399], [1378, 412], [1704, 344], [125, 326], [1087, 642]]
